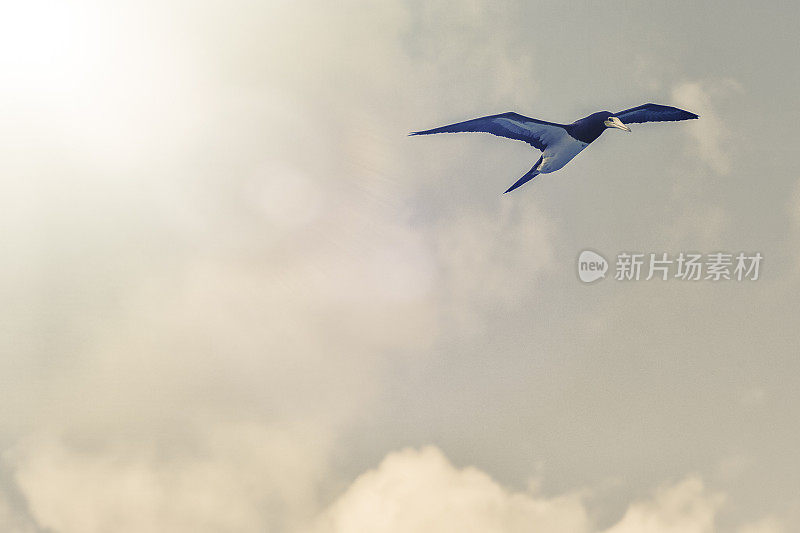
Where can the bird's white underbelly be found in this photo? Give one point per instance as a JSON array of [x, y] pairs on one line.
[[559, 154]]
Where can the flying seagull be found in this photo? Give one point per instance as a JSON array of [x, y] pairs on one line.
[[559, 143]]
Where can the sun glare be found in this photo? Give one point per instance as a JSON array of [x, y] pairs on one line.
[[45, 47]]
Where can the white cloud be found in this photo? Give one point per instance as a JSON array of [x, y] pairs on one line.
[[421, 491], [231, 477], [687, 507], [767, 525], [248, 478], [709, 132]]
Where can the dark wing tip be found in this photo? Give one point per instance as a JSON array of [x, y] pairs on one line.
[[686, 115], [426, 132]]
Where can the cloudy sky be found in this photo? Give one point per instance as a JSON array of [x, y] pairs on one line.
[[237, 297]]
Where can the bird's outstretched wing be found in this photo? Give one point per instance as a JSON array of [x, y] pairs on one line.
[[653, 113], [537, 133]]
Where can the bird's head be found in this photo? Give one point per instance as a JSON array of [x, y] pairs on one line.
[[613, 122]]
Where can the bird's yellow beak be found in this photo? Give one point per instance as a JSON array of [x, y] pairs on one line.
[[614, 122]]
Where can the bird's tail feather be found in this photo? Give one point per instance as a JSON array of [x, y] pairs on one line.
[[532, 173]]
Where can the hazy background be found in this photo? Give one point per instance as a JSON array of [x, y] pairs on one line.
[[237, 297]]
